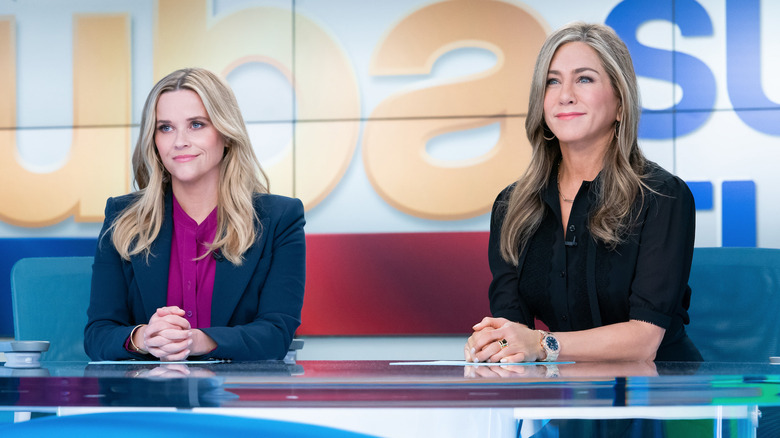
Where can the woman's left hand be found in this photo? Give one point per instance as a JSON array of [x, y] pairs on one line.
[[521, 343], [167, 336]]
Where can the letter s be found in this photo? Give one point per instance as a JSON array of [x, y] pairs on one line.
[[691, 74]]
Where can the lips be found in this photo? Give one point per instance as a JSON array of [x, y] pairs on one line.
[[568, 116], [184, 158]]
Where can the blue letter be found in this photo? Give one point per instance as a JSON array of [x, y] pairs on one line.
[[743, 66], [702, 194], [739, 213], [692, 75]]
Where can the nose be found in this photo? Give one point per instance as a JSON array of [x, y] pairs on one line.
[[567, 95], [181, 140]]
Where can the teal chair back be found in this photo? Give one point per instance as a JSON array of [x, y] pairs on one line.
[[735, 304], [50, 296]]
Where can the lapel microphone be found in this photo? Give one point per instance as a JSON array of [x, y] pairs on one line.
[[217, 255]]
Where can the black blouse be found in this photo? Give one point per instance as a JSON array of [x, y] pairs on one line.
[[573, 282]]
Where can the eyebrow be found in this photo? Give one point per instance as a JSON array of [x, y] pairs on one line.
[[189, 119], [576, 70]]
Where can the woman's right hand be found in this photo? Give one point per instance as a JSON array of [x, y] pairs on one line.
[[168, 335], [521, 343]]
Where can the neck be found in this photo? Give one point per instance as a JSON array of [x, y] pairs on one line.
[[196, 202], [581, 164]]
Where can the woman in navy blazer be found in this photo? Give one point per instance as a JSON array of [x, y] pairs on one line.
[[195, 167]]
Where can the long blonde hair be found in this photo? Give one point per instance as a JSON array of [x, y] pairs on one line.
[[241, 176], [621, 178]]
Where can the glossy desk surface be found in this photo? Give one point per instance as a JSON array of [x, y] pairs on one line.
[[382, 384]]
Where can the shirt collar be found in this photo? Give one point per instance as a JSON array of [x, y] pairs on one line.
[[182, 219]]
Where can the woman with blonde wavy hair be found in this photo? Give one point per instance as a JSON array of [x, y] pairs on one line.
[[594, 240], [200, 261]]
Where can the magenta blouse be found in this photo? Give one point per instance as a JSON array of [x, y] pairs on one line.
[[191, 281]]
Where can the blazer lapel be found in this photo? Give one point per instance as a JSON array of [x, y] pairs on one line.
[[152, 277], [230, 281]]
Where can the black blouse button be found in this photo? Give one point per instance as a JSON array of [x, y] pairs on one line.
[[571, 228], [563, 274], [565, 318]]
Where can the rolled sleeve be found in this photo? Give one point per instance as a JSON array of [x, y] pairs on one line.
[[660, 284]]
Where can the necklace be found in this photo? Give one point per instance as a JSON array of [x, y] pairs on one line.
[[570, 201]]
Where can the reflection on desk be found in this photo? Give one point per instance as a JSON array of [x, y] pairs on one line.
[[377, 384], [587, 370], [382, 392]]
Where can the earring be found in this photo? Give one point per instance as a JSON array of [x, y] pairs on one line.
[[617, 128], [544, 130]]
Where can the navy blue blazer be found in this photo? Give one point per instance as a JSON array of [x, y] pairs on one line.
[[255, 309]]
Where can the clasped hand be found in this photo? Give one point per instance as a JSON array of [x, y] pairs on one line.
[[522, 343], [168, 334]]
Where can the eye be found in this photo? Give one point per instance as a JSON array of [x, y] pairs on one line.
[[552, 81], [196, 124], [585, 79], [164, 128]]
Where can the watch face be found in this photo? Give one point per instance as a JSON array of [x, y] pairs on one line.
[[551, 342]]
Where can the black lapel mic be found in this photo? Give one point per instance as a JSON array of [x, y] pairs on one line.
[[572, 243], [217, 255]]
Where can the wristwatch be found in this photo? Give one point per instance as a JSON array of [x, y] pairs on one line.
[[550, 346]]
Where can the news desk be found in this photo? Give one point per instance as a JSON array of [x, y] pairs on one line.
[[402, 399]]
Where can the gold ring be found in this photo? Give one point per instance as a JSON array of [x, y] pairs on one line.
[[503, 343]]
